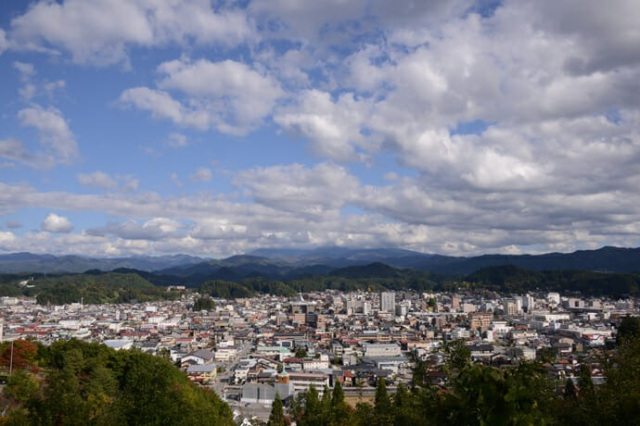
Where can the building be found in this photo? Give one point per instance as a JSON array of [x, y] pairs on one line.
[[372, 350], [388, 301], [480, 320], [202, 373]]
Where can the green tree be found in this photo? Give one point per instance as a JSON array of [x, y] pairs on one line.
[[629, 329], [402, 408], [21, 387], [341, 412], [364, 414], [382, 409], [307, 408], [204, 303], [459, 354], [276, 418]]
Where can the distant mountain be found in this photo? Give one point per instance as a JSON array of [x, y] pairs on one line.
[[606, 259], [46, 263], [373, 270], [339, 257], [282, 264]]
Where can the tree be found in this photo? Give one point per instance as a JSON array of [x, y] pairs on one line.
[[308, 408], [570, 392], [629, 328], [402, 412], [340, 410], [19, 354], [204, 303], [459, 354], [382, 410], [276, 418], [364, 415], [432, 304], [618, 398], [92, 384], [21, 387]]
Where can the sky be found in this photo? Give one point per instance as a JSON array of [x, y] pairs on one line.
[[214, 128]]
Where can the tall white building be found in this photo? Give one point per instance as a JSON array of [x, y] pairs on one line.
[[388, 301], [528, 302]]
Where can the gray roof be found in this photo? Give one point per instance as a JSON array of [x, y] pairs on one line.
[[206, 368]]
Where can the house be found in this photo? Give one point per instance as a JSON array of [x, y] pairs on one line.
[[202, 373], [481, 352], [201, 356], [225, 354]]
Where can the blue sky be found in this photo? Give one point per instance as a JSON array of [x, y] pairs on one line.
[[216, 128]]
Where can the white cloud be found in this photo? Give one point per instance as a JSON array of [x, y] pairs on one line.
[[176, 140], [315, 191], [101, 32], [227, 95], [57, 140], [202, 174], [56, 224], [153, 229], [333, 127], [511, 129], [7, 241], [26, 70], [106, 181], [309, 21], [98, 179], [4, 44], [13, 149], [162, 105]]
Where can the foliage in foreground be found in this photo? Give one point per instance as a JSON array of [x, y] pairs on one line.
[[81, 383], [482, 395]]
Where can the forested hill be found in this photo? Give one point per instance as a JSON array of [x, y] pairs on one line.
[[378, 277], [94, 287], [137, 286]]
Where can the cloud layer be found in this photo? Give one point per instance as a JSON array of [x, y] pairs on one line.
[[456, 127]]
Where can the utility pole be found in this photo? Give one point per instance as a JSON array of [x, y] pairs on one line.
[[11, 360]]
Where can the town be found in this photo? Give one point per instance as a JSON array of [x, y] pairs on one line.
[[250, 350]]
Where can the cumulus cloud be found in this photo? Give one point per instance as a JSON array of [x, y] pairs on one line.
[[315, 191], [101, 32], [228, 96], [162, 105], [56, 139], [56, 224], [489, 126], [334, 127], [7, 240], [152, 229]]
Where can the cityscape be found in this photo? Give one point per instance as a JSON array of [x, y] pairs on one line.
[[320, 213], [249, 350]]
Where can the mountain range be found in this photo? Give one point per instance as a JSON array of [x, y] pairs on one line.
[[289, 263], [47, 263]]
